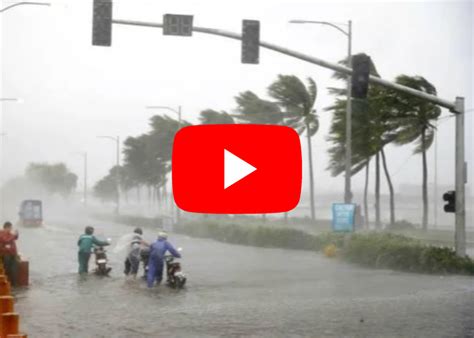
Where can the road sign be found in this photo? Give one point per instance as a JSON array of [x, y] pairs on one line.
[[343, 216], [181, 25]]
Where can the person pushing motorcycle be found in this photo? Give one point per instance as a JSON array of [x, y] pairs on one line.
[[156, 259], [136, 246], [86, 242]]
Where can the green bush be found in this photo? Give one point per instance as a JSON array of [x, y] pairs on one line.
[[374, 249]]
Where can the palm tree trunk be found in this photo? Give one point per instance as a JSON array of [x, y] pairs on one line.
[[390, 188], [138, 193], [425, 181], [311, 177], [366, 190], [377, 191]]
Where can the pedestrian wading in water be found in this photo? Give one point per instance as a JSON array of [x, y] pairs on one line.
[[86, 243]]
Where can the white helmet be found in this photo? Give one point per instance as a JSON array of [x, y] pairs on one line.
[[162, 235]]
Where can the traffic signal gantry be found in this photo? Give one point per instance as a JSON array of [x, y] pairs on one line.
[[360, 71]]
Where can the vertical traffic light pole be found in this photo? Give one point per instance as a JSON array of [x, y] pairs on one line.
[[461, 178]]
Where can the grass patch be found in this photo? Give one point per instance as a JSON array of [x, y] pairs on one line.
[[370, 249]]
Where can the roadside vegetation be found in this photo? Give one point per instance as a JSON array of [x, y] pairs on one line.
[[385, 118], [381, 250]]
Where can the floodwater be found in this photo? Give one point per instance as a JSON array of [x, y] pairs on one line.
[[233, 291]]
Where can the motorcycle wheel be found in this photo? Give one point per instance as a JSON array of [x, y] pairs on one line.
[[179, 282]]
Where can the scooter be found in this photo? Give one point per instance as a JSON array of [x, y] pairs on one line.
[[175, 276], [101, 261]]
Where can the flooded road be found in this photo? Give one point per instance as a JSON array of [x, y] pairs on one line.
[[233, 291]]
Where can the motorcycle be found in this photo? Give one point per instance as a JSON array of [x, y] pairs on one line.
[[101, 261], [175, 276]]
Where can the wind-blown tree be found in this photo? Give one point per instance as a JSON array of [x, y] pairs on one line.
[[210, 116], [134, 159], [106, 188], [417, 119], [373, 127], [54, 178], [252, 109], [297, 101]]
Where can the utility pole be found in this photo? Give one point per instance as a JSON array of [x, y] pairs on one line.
[[85, 179], [117, 172]]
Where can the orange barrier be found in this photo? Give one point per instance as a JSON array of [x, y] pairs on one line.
[[6, 304], [9, 320], [5, 289], [23, 273], [10, 324]]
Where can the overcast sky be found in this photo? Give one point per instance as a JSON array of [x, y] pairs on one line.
[[72, 91]]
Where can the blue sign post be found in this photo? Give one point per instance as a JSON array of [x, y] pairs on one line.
[[343, 216]]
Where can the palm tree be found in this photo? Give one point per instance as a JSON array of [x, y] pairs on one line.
[[298, 101], [373, 129], [416, 120], [210, 116], [252, 109]]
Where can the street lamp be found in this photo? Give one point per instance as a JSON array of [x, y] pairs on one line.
[[2, 135], [117, 173], [25, 3], [348, 163], [84, 156], [177, 112]]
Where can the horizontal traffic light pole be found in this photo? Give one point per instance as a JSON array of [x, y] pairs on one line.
[[311, 59]]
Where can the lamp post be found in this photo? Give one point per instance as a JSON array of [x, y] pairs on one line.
[[24, 3], [84, 156], [348, 162], [2, 135], [117, 173], [177, 112]]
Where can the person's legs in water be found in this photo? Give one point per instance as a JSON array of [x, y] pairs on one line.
[[128, 266], [134, 262], [144, 256], [10, 264], [83, 258], [159, 271], [151, 274]]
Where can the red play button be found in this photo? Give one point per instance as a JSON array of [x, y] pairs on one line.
[[236, 169]]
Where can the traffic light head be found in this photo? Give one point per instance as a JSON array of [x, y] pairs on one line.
[[102, 23], [450, 197], [250, 41], [360, 76]]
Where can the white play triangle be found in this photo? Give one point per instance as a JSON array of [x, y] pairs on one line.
[[235, 169]]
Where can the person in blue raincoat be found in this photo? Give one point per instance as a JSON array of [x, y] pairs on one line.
[[156, 260]]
